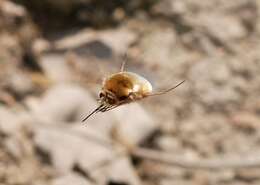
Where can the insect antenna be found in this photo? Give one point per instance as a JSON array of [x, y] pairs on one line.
[[105, 108], [168, 90], [93, 112], [111, 107]]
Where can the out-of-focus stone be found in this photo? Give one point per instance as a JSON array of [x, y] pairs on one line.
[[158, 49], [71, 103], [72, 179], [215, 70], [152, 169], [248, 174], [10, 123], [169, 8], [118, 171], [13, 147], [246, 120], [210, 84], [40, 45], [175, 182], [55, 67], [169, 143], [8, 43], [62, 103], [20, 83], [11, 9], [220, 27], [7, 98], [67, 149], [134, 124], [118, 39]]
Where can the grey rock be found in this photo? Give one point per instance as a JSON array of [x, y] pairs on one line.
[[55, 67], [71, 103], [169, 143], [119, 40], [158, 49], [12, 10], [219, 27], [175, 182], [210, 77], [11, 122], [248, 174], [134, 124], [61, 103], [168, 7], [72, 179], [116, 39], [20, 83], [13, 147], [119, 170], [67, 149]]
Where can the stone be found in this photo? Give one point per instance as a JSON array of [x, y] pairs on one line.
[[55, 67], [219, 27], [11, 9], [117, 40], [152, 55], [118, 171], [67, 149], [168, 143], [20, 83], [68, 103], [246, 120], [71, 178], [134, 124], [8, 122], [14, 147], [61, 103]]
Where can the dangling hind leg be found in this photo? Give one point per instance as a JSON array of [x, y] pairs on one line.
[[166, 91]]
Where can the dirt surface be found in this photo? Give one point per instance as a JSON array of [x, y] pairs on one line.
[[54, 55]]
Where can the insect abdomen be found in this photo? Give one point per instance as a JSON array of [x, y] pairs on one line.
[[125, 82]]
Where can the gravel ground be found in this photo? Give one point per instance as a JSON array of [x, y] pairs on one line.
[[54, 55]]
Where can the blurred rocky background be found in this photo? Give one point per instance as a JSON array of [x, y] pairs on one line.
[[54, 55]]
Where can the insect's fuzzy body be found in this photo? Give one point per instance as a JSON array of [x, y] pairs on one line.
[[122, 88], [123, 84]]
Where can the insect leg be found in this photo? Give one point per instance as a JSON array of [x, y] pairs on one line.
[[105, 108], [123, 63], [166, 91], [112, 107], [98, 109]]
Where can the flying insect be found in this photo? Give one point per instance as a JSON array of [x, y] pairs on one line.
[[122, 88]]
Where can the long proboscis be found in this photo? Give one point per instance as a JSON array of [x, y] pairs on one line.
[[166, 91], [93, 112], [103, 108]]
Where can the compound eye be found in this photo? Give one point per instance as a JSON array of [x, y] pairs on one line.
[[110, 100], [101, 95], [123, 98]]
